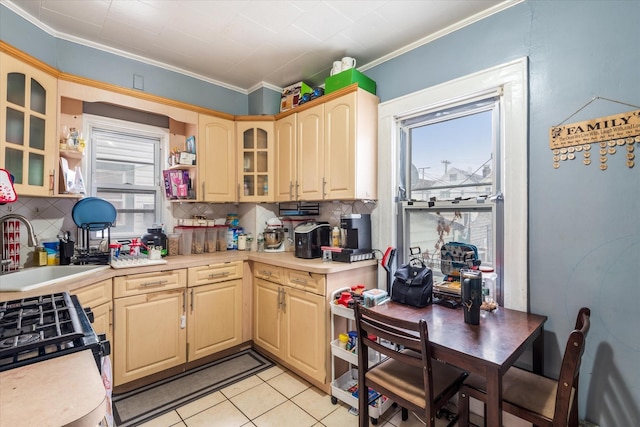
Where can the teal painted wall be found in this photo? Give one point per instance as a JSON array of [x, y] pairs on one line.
[[264, 101], [584, 232]]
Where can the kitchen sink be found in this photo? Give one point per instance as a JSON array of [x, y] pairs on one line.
[[36, 277]]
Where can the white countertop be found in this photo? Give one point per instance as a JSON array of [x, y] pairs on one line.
[[285, 259]]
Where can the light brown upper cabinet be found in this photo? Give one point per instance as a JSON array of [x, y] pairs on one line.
[[310, 153], [28, 141], [351, 147], [217, 159], [256, 160], [328, 151], [299, 146], [286, 172]]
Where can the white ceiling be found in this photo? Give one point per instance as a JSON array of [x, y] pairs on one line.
[[245, 44]]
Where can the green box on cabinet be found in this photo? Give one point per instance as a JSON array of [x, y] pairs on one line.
[[348, 77]]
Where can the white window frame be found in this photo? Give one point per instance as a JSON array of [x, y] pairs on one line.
[[93, 121], [512, 79]]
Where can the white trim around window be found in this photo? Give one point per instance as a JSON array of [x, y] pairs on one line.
[[512, 79]]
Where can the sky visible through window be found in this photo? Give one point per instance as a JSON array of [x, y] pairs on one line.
[[463, 143]]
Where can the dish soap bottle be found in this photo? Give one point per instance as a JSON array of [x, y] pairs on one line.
[[40, 256]]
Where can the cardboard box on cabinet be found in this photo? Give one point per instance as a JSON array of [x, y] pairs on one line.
[[292, 94]]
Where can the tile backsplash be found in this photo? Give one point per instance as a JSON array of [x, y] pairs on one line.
[[50, 216]]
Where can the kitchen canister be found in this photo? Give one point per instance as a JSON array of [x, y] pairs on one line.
[[242, 242], [173, 243], [155, 237], [489, 280], [186, 240], [211, 240], [198, 241]]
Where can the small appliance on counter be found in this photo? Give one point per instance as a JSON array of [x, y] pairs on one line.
[[356, 231], [274, 236], [309, 239], [355, 236]]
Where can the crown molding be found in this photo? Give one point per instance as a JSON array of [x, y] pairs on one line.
[[452, 28], [98, 46]]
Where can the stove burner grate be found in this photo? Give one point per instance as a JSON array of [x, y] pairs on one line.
[[31, 325], [19, 340]]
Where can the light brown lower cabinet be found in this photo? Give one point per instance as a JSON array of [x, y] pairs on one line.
[[150, 329], [304, 332], [166, 319], [289, 322], [215, 309]]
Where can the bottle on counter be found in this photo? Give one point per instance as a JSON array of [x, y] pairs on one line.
[[40, 256], [335, 237], [53, 256], [260, 242], [489, 279], [242, 242], [155, 237]]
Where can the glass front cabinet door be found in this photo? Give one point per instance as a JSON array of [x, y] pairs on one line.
[[256, 157], [27, 126]]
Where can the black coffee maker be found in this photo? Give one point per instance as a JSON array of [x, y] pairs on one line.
[[356, 232]]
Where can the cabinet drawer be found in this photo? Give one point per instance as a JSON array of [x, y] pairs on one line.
[[135, 284], [215, 273], [96, 294], [310, 282], [269, 272]]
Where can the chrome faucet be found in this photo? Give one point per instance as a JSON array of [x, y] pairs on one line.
[[33, 240]]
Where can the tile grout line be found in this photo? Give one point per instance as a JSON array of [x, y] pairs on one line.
[[183, 420]]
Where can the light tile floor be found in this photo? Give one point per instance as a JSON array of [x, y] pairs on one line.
[[275, 397]]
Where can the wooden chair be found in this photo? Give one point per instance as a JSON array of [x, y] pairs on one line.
[[535, 398], [408, 375]]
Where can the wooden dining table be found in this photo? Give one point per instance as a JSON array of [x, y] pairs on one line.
[[488, 349]]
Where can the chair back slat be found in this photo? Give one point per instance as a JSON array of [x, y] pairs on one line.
[[407, 337], [570, 369], [403, 335], [400, 338]]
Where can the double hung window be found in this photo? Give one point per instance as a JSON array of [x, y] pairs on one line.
[[125, 159], [449, 181], [458, 172]]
